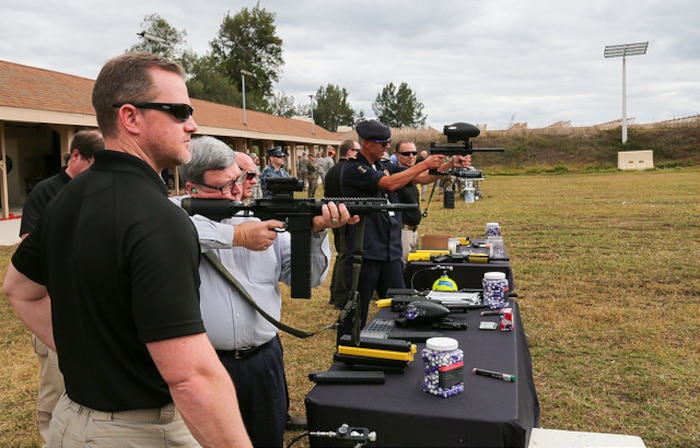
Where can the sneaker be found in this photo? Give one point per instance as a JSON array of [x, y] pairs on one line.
[[296, 423]]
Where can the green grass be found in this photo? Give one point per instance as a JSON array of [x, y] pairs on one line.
[[606, 268]]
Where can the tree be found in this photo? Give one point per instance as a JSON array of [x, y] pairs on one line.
[[248, 41], [159, 37], [332, 109], [207, 82], [399, 108], [281, 105]]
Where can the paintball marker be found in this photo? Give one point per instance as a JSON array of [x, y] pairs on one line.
[[459, 132], [297, 215]]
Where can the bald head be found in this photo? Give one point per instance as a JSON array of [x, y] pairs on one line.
[[245, 162]]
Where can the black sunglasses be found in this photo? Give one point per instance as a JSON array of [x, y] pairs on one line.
[[180, 111], [408, 153], [381, 142], [246, 176]]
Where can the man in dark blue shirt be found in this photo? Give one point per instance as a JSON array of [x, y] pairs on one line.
[[367, 175]]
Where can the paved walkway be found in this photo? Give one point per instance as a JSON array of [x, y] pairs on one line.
[[9, 231]]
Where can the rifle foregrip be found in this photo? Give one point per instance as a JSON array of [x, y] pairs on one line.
[[338, 377]]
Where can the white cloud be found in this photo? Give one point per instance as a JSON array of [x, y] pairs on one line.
[[478, 61]]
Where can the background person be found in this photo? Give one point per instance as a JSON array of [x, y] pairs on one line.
[[256, 192], [312, 174], [331, 189], [301, 169], [80, 157], [138, 368], [406, 153], [324, 164], [246, 163], [275, 168], [422, 156]]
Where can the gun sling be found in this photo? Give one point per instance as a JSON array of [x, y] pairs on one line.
[[232, 280]]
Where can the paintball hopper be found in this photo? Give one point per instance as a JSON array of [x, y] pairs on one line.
[[423, 312], [460, 132]]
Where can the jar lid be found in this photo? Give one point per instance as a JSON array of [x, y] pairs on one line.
[[492, 224], [494, 275], [441, 344]]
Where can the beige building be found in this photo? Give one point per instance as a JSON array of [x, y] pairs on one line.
[[41, 110]]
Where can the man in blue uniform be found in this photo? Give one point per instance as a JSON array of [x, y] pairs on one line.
[[367, 175], [275, 168]]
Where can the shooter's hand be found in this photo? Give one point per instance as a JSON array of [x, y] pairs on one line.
[[463, 161], [433, 161], [256, 235], [333, 215]]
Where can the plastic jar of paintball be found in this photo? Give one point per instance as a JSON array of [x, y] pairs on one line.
[[495, 290], [493, 229], [443, 365]]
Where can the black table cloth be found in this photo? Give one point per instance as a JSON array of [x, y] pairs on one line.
[[420, 275], [489, 413]]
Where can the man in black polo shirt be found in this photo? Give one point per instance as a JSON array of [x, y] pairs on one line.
[[81, 156], [120, 264], [406, 153]]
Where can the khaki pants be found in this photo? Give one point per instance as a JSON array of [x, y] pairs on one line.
[[74, 425], [51, 385], [409, 243]]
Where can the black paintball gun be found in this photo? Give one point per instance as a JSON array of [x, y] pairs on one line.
[[458, 132], [297, 214]]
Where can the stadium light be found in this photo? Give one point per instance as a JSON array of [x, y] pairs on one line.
[[624, 50], [150, 38]]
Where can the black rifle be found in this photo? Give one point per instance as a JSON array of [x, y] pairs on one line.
[[297, 215]]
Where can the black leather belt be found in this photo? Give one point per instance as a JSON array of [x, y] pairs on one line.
[[244, 353], [411, 228]]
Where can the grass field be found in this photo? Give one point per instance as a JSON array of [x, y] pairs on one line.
[[606, 269]]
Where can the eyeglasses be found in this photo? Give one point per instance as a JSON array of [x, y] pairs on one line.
[[408, 153], [228, 186], [381, 142], [180, 111]]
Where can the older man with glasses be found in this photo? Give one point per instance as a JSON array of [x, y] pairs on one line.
[[367, 175], [258, 255]]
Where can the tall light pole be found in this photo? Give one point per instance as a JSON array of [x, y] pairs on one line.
[[150, 38], [624, 50], [313, 131], [243, 75]]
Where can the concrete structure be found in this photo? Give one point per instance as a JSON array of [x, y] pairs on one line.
[[41, 110], [635, 160], [555, 438]]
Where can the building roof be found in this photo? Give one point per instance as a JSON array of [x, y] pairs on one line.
[[35, 95]]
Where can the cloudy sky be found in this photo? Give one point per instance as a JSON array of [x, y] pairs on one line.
[[485, 62]]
